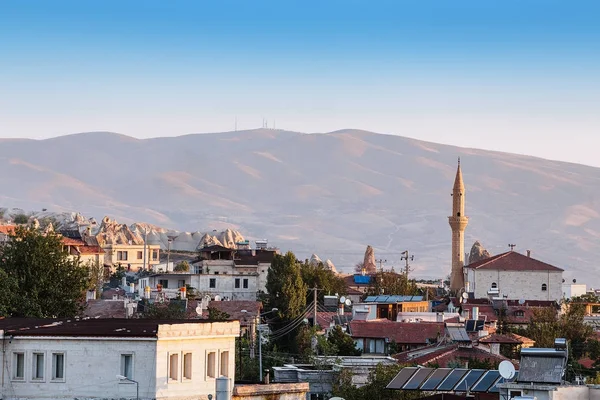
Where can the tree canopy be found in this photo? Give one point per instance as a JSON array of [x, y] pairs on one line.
[[323, 278], [287, 291], [391, 283], [38, 277]]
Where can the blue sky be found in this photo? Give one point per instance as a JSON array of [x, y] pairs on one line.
[[518, 76]]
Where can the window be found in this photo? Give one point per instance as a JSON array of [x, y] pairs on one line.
[[164, 283], [173, 367], [140, 255], [197, 269], [181, 283], [187, 365], [212, 283], [155, 254], [127, 365], [122, 255], [216, 272], [38, 366], [494, 285], [245, 283], [58, 366], [211, 368], [225, 363], [237, 283], [18, 366], [544, 287], [519, 313]]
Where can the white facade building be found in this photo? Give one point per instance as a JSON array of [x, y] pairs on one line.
[[229, 273], [571, 290], [514, 276], [45, 359]]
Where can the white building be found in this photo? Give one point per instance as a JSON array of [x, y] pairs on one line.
[[49, 359], [514, 276], [229, 273], [574, 289]]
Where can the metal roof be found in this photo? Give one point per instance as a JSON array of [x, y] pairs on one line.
[[458, 334], [392, 299], [447, 380]]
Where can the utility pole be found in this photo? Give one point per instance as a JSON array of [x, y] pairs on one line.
[[381, 262], [406, 257], [145, 236], [512, 246], [315, 306]]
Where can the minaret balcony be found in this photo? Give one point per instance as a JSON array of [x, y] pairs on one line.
[[459, 223]]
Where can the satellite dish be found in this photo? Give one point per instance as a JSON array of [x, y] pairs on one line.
[[217, 298], [465, 295], [199, 310], [521, 302], [506, 369], [348, 302], [336, 398], [342, 299]]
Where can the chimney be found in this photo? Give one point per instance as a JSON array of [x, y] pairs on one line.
[[528, 253]]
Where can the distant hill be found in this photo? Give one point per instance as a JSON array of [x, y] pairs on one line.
[[330, 194]]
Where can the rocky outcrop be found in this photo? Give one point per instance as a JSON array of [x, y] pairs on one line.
[[329, 265], [314, 260], [478, 253], [369, 261]]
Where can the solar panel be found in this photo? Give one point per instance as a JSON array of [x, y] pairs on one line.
[[417, 298], [417, 379], [541, 369], [370, 299], [452, 379], [486, 382], [470, 325], [458, 334], [494, 388], [469, 380], [402, 377], [436, 378]]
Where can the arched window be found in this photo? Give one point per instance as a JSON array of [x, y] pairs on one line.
[[544, 287], [494, 285], [519, 313]]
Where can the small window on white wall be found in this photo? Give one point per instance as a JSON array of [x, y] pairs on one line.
[[18, 366], [174, 367], [38, 366], [544, 287], [187, 365], [494, 285], [58, 366], [225, 363], [127, 365], [211, 365]]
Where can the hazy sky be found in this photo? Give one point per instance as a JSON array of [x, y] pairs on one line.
[[518, 76]]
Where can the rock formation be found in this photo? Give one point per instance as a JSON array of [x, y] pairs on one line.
[[369, 261], [329, 265], [314, 260], [478, 253]]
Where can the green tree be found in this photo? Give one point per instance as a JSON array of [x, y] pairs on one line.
[[96, 271], [391, 283], [343, 343], [214, 314], [50, 284], [8, 291], [170, 310], [182, 266], [287, 291], [21, 219], [326, 280]]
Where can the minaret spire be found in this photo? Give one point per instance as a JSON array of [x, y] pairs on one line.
[[458, 222]]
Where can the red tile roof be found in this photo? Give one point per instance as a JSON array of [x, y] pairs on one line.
[[400, 332], [233, 308], [497, 338], [7, 229], [513, 261], [447, 355]]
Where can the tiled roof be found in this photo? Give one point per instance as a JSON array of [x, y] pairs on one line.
[[400, 332], [233, 308], [66, 241], [105, 309], [513, 313], [7, 229], [448, 354], [513, 261], [91, 250], [94, 327], [497, 338]]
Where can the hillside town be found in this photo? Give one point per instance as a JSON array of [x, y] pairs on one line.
[[110, 311]]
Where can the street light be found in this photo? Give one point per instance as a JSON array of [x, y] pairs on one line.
[[137, 385]]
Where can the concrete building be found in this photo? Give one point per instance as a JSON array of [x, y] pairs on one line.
[[229, 273], [51, 359], [80, 250], [458, 222], [574, 289], [131, 256], [514, 276]]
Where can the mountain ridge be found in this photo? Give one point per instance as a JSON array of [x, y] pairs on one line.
[[326, 193]]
